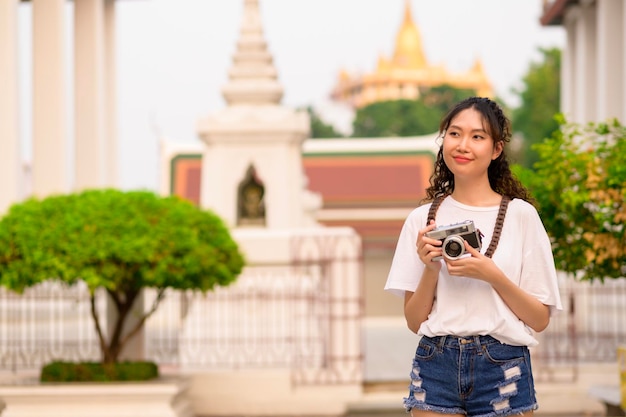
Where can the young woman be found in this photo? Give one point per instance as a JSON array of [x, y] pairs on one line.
[[475, 306]]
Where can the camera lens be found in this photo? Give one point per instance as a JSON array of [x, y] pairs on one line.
[[453, 247]]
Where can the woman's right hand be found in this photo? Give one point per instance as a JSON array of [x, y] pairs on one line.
[[428, 248]]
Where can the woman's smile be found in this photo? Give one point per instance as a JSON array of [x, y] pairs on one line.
[[461, 159]]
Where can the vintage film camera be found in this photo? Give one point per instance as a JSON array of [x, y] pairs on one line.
[[452, 237]]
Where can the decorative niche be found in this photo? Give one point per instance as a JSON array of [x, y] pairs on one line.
[[250, 201]]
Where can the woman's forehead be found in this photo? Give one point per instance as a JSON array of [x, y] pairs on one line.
[[469, 118]]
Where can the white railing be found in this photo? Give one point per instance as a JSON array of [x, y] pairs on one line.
[[305, 316], [591, 326]]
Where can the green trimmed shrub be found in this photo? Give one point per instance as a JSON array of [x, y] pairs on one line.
[[121, 242], [59, 371]]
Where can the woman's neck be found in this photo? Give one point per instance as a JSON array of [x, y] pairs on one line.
[[477, 195]]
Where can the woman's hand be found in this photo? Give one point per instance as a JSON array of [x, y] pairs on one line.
[[529, 309], [475, 266], [428, 248]]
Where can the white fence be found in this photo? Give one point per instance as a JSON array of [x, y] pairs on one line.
[[305, 316]]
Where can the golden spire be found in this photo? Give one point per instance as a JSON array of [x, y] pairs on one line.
[[408, 15], [408, 52]]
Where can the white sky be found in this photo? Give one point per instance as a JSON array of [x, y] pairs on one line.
[[173, 55]]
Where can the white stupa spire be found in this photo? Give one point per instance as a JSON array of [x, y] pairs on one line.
[[252, 77], [255, 139]]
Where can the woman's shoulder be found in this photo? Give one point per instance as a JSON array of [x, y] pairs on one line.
[[421, 210], [522, 206], [419, 214], [522, 209]]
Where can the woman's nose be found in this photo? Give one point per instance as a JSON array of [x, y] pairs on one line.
[[462, 145]]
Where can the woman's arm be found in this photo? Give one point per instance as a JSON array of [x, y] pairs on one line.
[[418, 304], [530, 310]]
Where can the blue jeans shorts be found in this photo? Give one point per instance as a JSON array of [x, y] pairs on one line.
[[474, 375]]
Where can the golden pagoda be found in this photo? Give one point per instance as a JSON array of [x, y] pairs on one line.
[[406, 74]]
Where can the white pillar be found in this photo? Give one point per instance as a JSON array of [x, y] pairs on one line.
[[98, 50], [89, 100], [49, 101], [585, 66], [622, 93], [610, 59], [591, 54], [568, 66], [110, 96], [9, 132]]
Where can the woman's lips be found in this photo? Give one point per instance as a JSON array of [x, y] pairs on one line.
[[461, 159]]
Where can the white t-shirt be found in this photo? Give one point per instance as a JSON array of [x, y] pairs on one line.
[[465, 306]]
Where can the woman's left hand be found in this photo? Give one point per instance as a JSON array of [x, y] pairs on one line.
[[525, 306], [475, 266]]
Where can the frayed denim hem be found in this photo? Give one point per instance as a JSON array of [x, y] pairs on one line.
[[411, 403], [510, 412]]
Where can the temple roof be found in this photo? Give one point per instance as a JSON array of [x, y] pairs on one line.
[[406, 74], [408, 49]]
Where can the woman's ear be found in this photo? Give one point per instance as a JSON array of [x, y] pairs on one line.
[[498, 147]]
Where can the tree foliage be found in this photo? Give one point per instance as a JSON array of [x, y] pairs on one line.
[[540, 102], [408, 117], [319, 128], [579, 183], [121, 242]]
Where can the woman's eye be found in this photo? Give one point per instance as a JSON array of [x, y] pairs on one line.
[[478, 137]]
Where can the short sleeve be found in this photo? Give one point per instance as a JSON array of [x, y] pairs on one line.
[[539, 276], [406, 267]]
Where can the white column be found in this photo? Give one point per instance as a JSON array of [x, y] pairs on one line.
[[49, 100], [568, 65], [585, 78], [622, 93], [89, 103], [610, 60], [591, 52], [110, 96], [10, 157], [94, 70]]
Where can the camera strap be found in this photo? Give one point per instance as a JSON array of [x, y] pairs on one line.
[[497, 230]]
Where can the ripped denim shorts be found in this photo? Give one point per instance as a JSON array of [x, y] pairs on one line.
[[474, 375]]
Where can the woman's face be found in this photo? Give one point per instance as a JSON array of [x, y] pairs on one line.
[[468, 148]]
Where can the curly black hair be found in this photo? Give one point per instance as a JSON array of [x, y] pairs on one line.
[[501, 178]]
